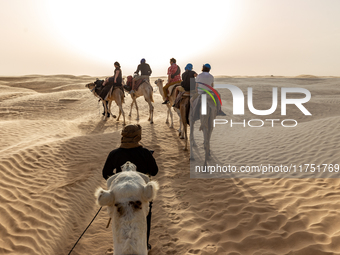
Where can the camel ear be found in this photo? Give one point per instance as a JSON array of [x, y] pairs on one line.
[[145, 177], [150, 191], [105, 197]]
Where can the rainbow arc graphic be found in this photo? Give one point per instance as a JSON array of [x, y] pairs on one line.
[[209, 93]]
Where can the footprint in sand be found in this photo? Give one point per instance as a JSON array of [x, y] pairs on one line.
[[205, 231], [169, 248], [164, 187], [167, 206], [175, 219], [164, 238], [192, 251], [207, 213], [109, 252], [210, 248], [183, 205]]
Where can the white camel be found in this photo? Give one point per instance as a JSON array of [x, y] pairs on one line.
[[207, 126], [146, 90], [117, 95], [127, 199], [172, 98]]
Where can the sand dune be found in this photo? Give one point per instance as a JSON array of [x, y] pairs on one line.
[[54, 144]]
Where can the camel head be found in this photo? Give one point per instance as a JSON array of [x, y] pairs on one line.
[[96, 84], [159, 82], [127, 199], [90, 85], [128, 166]]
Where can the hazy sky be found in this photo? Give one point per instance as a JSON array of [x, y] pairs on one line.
[[239, 37]]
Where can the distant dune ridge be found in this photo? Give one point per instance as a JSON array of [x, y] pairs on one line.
[[54, 145]]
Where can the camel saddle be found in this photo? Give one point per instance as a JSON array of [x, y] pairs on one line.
[[105, 91], [184, 95], [172, 87], [128, 85]]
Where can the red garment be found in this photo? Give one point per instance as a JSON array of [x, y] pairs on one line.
[[172, 70]]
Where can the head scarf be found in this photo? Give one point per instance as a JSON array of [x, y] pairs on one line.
[[207, 66], [142, 60], [188, 67], [131, 135]]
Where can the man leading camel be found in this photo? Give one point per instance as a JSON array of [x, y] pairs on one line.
[[131, 150]]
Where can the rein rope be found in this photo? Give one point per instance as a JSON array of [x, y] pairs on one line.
[[84, 231]]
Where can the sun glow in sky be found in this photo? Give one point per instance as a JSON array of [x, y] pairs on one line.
[[237, 37], [127, 31]]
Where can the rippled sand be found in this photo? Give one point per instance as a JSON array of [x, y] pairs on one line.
[[54, 144]]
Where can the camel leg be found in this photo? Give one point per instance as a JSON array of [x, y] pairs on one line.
[[207, 132], [105, 110], [192, 140], [109, 108], [180, 130], [171, 116], [121, 111], [210, 129], [137, 109], [150, 112], [184, 123], [167, 117], [185, 135], [131, 107], [206, 145]]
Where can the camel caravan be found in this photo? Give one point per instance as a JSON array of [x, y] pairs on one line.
[[130, 192], [175, 93]]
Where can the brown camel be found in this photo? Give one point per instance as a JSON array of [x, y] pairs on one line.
[[117, 95], [172, 98], [146, 90], [184, 108]]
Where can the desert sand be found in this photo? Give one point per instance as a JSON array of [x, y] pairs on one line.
[[54, 145]]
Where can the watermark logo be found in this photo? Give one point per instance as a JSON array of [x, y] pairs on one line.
[[238, 100], [204, 96]]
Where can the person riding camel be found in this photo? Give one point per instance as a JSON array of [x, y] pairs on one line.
[[174, 77], [112, 82], [145, 72], [203, 79], [131, 150], [185, 84]]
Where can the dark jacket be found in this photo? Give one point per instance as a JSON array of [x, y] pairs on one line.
[[186, 76], [144, 69], [139, 156]]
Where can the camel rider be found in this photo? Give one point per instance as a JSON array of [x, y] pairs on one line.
[[186, 76], [111, 83], [145, 72], [131, 150], [206, 78], [185, 84], [174, 77]]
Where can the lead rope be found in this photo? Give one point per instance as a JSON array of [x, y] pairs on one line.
[[84, 231]]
